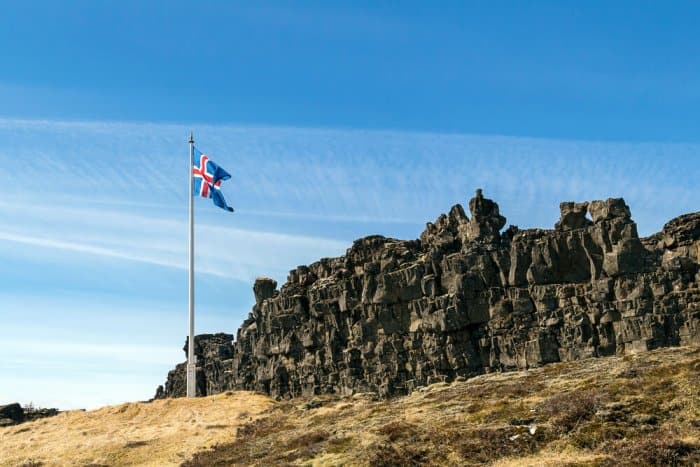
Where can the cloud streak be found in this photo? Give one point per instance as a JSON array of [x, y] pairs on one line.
[[222, 251]]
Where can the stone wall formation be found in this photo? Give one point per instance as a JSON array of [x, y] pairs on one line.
[[465, 298]]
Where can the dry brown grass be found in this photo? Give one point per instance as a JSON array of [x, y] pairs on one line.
[[164, 432], [612, 411]]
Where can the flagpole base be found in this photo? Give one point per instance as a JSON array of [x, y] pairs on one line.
[[191, 380]]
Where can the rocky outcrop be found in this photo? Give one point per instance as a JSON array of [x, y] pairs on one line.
[[573, 216], [464, 299], [12, 414], [214, 356]]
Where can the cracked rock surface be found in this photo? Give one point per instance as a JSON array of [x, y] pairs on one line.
[[464, 299]]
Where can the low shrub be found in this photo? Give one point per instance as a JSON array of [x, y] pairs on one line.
[[397, 430], [567, 410], [308, 439], [658, 448], [389, 455]]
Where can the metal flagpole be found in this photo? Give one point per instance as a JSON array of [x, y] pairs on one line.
[[191, 363]]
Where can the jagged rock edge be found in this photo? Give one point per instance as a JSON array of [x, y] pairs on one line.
[[393, 315]]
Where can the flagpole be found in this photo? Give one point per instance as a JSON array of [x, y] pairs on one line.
[[191, 363]]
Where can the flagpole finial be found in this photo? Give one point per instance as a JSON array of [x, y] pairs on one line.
[[191, 138]]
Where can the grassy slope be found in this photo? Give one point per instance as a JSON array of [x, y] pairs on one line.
[[639, 409], [164, 432]]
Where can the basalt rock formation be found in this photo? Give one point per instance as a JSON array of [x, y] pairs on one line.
[[464, 299], [213, 353]]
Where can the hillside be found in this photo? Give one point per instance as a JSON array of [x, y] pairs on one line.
[[637, 409], [157, 433]]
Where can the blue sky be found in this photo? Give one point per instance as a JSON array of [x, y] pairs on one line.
[[336, 120]]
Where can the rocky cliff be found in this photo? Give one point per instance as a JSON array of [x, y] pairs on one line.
[[464, 299]]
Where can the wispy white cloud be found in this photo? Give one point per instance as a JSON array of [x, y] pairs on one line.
[[351, 175], [222, 251], [83, 248]]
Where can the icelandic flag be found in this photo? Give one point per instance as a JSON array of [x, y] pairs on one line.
[[207, 179]]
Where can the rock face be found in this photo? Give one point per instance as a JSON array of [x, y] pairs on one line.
[[464, 299], [213, 354], [11, 414]]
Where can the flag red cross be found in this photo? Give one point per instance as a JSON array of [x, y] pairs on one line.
[[207, 178]]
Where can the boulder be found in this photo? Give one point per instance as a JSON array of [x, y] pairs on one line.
[[486, 221], [612, 208], [264, 288], [11, 414], [573, 216]]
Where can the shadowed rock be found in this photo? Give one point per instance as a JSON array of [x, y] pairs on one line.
[[213, 354], [613, 208], [264, 288], [573, 216], [486, 221], [11, 414]]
